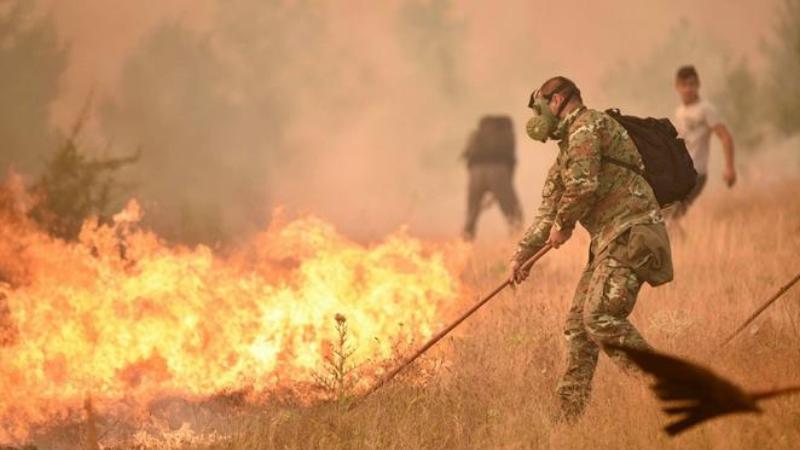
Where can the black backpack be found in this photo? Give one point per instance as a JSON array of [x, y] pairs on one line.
[[668, 167], [493, 142]]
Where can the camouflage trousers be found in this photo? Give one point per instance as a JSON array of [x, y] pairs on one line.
[[605, 296]]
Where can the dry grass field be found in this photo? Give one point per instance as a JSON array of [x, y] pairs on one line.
[[491, 384]]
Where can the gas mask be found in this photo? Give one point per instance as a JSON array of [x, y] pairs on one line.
[[541, 126], [544, 123]]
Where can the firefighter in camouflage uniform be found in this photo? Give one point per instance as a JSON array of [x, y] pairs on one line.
[[629, 243]]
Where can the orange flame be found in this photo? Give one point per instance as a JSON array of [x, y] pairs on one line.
[[120, 314]]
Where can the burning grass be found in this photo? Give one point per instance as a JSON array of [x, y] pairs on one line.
[[135, 323], [491, 383]]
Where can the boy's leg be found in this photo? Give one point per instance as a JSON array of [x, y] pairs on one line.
[[699, 186]]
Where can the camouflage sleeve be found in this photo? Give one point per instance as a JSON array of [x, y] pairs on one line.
[[536, 235], [579, 175]]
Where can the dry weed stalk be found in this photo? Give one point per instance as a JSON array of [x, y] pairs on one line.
[[337, 378], [91, 427]]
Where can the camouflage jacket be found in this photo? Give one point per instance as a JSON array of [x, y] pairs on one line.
[[605, 198]]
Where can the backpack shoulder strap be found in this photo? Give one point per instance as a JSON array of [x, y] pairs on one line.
[[619, 163], [616, 115]]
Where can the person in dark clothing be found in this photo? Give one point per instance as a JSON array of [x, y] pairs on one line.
[[490, 157]]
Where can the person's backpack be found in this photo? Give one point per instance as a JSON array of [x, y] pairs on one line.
[[493, 141], [668, 166]]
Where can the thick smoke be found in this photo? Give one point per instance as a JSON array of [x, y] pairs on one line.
[[358, 118], [357, 111]]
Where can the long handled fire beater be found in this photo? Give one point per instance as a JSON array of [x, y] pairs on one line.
[[761, 309], [432, 341]]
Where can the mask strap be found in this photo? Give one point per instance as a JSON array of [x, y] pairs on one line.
[[538, 93], [566, 100]]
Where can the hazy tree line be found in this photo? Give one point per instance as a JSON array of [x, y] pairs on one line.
[[753, 104], [213, 113], [31, 62]]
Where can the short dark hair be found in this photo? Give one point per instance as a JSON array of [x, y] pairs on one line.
[[686, 72], [561, 85]]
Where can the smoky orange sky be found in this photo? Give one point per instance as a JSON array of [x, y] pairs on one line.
[[580, 37], [368, 166]]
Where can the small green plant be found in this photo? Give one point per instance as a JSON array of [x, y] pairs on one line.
[[337, 377]]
